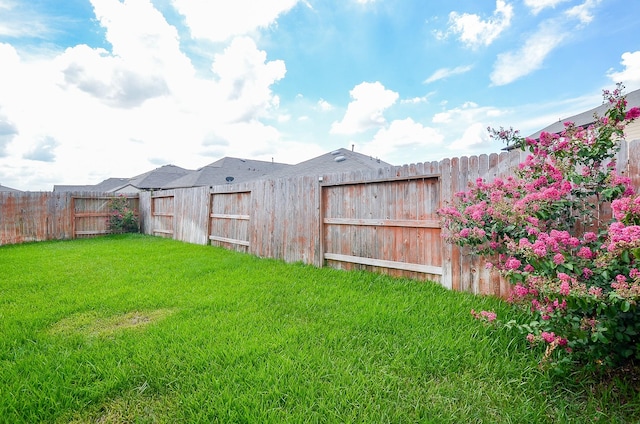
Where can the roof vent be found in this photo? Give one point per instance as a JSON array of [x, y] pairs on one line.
[[335, 152], [340, 158], [229, 179]]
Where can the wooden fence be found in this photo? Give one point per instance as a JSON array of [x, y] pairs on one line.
[[39, 216], [384, 221]]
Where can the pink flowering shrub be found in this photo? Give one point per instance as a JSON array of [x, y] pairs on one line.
[[575, 270], [122, 219]]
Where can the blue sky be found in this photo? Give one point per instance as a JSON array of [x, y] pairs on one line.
[[91, 89]]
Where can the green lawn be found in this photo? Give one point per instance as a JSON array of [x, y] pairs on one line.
[[148, 330]]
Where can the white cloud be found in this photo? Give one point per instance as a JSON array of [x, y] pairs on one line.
[[538, 5], [511, 66], [467, 113], [369, 101], [90, 113], [415, 100], [8, 131], [475, 138], [630, 75], [221, 20], [109, 78], [583, 12], [474, 31], [18, 19], [245, 78], [467, 127], [403, 134], [324, 105], [443, 73], [43, 150], [515, 64]]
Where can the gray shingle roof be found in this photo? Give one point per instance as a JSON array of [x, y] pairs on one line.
[[586, 118], [341, 160], [158, 177], [216, 173], [9, 189], [65, 188], [242, 170]]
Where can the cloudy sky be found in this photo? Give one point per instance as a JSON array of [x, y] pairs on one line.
[[91, 89]]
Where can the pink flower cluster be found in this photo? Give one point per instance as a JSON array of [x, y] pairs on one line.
[[623, 236], [555, 242], [622, 287], [632, 114], [626, 207], [550, 337], [475, 232], [488, 316]]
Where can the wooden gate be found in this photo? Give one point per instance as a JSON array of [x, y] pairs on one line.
[[388, 226], [162, 214], [91, 214], [229, 220]]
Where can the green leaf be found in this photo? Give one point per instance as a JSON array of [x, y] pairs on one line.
[[625, 306]]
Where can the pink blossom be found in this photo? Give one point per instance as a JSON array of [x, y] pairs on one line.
[[489, 315], [585, 253], [595, 291], [558, 258], [524, 243], [589, 237], [573, 242], [565, 288], [531, 338], [512, 263], [632, 113], [548, 337], [520, 291], [560, 305], [535, 305], [587, 273]]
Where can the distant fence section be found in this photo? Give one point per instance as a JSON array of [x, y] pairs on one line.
[[40, 216], [384, 221], [90, 213]]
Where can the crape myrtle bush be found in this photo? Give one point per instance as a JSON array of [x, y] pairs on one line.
[[574, 273], [122, 219]]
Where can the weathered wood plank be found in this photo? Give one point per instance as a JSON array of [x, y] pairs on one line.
[[229, 240], [410, 223], [385, 263], [230, 216]]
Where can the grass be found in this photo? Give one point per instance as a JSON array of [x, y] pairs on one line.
[[148, 330]]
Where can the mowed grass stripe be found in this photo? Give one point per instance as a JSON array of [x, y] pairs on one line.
[[141, 329]]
